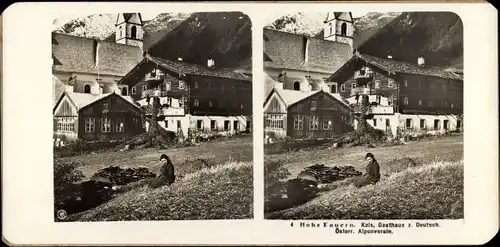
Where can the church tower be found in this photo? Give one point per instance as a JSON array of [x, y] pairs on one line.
[[129, 29], [339, 27]]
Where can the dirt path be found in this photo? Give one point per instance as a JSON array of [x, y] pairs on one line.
[[446, 148]]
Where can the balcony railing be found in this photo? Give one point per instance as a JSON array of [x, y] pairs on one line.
[[372, 109], [363, 75], [153, 93], [362, 91]]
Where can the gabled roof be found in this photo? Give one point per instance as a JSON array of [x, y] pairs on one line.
[[336, 15], [127, 16], [394, 66], [182, 68], [288, 51], [291, 97], [81, 100], [78, 54]]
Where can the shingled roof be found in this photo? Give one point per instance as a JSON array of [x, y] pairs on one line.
[[78, 54], [183, 68], [291, 97], [395, 66], [288, 51], [81, 100]]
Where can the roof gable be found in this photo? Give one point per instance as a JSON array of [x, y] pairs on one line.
[[81, 100], [288, 51], [78, 54], [291, 97]]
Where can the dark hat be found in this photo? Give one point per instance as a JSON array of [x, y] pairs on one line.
[[163, 156], [369, 155]]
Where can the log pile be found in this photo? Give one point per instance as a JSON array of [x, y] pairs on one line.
[[119, 176], [326, 174]]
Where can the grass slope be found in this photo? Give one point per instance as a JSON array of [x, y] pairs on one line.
[[433, 191], [222, 192]]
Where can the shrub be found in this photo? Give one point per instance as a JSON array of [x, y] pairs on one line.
[[274, 186], [66, 177]]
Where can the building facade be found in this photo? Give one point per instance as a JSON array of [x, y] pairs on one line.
[[408, 97], [314, 114], [193, 98], [103, 117]]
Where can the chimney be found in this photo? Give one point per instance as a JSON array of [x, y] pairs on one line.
[[210, 63], [421, 61]]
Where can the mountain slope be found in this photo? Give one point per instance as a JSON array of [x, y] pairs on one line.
[[369, 24], [438, 36], [224, 36]]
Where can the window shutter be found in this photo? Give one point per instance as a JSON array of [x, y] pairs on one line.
[[285, 123], [55, 124]]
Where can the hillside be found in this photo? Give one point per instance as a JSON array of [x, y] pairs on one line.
[[371, 23], [436, 35], [225, 37]]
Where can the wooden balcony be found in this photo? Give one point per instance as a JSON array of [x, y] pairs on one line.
[[362, 91], [153, 93], [367, 74]]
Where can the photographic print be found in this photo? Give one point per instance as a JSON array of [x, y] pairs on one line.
[[363, 116], [152, 116]]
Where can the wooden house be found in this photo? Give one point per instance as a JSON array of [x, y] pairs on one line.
[[418, 97], [208, 98], [313, 114], [96, 117]]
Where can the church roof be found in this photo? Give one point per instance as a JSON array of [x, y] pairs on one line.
[[288, 51], [78, 54], [395, 66]]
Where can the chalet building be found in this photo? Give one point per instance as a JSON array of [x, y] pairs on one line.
[[197, 98], [301, 63], [93, 117], [91, 66], [402, 96], [299, 114]]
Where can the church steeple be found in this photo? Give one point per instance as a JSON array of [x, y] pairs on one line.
[[129, 29], [338, 26]]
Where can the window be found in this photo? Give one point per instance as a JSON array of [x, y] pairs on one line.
[[387, 122], [181, 101], [168, 86], [242, 106], [210, 104], [121, 32], [459, 124], [445, 124], [343, 29], [213, 125], [296, 86], [166, 123], [181, 85], [333, 88], [377, 83], [227, 125], [196, 102], [430, 103], [298, 122], [313, 123], [195, 84], [391, 82], [120, 125], [375, 122], [274, 121], [133, 32], [342, 88], [406, 101], [86, 88], [124, 91], [199, 124], [89, 124], [313, 105], [408, 124], [133, 90], [144, 87], [423, 124], [353, 86], [236, 125], [105, 125], [179, 124], [436, 124], [452, 105], [445, 104], [419, 84], [105, 107], [66, 124], [406, 83], [327, 122]]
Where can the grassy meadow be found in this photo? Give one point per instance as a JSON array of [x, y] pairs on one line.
[[428, 187]]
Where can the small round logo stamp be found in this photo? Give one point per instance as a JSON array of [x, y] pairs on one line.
[[61, 214]]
